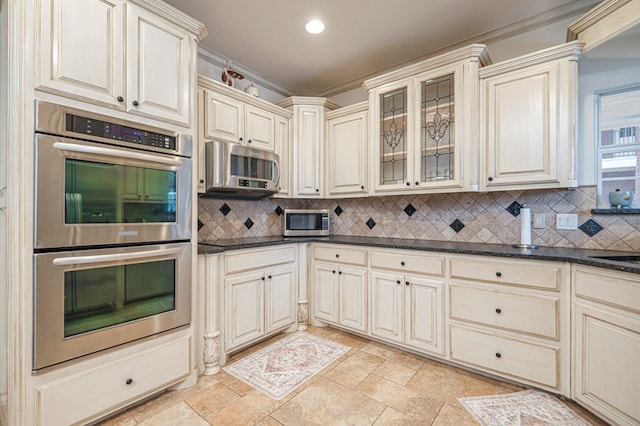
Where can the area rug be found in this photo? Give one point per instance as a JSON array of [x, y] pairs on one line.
[[284, 365], [526, 408]]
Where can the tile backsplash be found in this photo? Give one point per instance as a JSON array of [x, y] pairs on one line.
[[474, 217]]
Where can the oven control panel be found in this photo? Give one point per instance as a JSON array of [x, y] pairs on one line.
[[104, 129]]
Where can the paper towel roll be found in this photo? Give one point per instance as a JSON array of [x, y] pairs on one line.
[[525, 225]]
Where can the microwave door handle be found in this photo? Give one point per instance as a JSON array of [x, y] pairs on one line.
[[276, 165], [104, 258], [86, 149]]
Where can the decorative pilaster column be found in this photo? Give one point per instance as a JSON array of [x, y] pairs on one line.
[[303, 314], [211, 353]]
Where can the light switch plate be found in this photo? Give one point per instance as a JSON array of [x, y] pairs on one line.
[[539, 220], [567, 221]]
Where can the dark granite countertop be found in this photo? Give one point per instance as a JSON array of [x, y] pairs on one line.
[[581, 256]]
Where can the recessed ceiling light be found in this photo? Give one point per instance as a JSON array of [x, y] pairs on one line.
[[314, 26]]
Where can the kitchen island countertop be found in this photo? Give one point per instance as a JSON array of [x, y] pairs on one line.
[[559, 254]]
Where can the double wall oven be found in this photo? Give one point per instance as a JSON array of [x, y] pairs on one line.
[[112, 233]]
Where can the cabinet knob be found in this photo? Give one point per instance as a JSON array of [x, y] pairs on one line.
[[240, 139], [397, 281], [201, 180], [408, 183], [337, 255], [361, 186], [249, 141], [269, 276], [333, 272], [498, 310], [129, 381], [120, 99], [498, 355], [407, 283], [402, 263], [417, 183], [317, 190], [135, 103], [490, 178], [339, 272], [139, 196], [498, 274], [262, 278]]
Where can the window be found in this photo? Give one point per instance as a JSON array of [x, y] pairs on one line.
[[618, 143]]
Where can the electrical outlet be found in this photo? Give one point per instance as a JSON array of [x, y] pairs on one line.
[[539, 220], [567, 221]]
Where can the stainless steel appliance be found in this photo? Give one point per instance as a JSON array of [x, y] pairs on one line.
[[112, 242], [115, 182], [236, 171], [297, 223]]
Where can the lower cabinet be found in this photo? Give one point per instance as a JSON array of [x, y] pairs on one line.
[[260, 294], [606, 343], [95, 392]]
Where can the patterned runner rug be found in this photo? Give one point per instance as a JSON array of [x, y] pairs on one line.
[[526, 408], [283, 366]]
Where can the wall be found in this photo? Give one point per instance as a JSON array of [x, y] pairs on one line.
[[484, 215]]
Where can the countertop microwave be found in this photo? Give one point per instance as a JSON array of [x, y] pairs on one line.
[[299, 223]]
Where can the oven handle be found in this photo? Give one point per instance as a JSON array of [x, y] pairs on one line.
[[63, 146], [103, 258]]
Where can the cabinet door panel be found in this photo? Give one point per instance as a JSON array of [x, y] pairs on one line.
[[387, 306], [308, 151], [244, 308], [352, 289], [159, 59], [424, 313], [281, 298], [224, 117], [83, 49], [260, 128], [347, 137], [325, 294], [282, 148]]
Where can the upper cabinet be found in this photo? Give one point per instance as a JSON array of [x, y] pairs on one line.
[[528, 120], [118, 55], [347, 153], [424, 124]]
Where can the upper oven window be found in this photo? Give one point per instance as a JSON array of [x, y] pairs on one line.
[[114, 193]]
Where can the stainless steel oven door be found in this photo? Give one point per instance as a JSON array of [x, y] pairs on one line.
[[94, 194], [90, 300]]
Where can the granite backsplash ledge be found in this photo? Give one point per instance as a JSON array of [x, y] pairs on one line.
[[464, 217]]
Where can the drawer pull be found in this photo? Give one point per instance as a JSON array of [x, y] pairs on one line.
[[333, 272], [262, 278], [269, 276], [498, 310], [398, 282], [498, 274], [498, 355], [402, 263], [339, 272], [129, 381], [337, 255], [407, 283]]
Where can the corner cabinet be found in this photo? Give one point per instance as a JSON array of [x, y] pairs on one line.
[[307, 152], [606, 343], [346, 151], [119, 55], [424, 124], [528, 120]]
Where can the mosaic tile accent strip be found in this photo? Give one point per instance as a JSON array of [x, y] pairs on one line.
[[409, 210], [225, 209], [279, 210], [248, 223], [484, 215], [371, 223], [514, 208], [590, 227], [337, 211], [456, 225]]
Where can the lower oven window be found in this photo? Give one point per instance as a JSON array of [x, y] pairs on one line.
[[102, 297]]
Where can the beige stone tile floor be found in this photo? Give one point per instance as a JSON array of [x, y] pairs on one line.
[[372, 384]]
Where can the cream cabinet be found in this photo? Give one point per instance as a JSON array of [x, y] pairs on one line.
[[339, 286], [606, 343], [228, 114], [119, 55], [260, 294], [528, 120], [144, 185], [307, 146], [511, 318], [424, 124], [346, 151], [406, 299]]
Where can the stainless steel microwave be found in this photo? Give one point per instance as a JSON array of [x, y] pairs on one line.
[[236, 171], [299, 223]]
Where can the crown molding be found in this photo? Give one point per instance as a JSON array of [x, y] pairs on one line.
[[216, 59], [308, 101], [596, 14], [605, 21], [174, 15]]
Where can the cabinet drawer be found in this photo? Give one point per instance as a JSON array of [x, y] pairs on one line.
[[513, 357], [256, 259], [97, 391], [613, 288], [526, 273], [341, 255], [526, 313], [404, 262]]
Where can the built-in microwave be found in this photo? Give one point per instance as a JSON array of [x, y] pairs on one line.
[[299, 223], [236, 171]]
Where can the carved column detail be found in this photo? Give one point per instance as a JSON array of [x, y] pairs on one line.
[[211, 353], [303, 314]]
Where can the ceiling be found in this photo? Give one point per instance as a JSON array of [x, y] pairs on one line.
[[362, 37]]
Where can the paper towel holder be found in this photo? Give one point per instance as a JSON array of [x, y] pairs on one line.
[[528, 231]]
